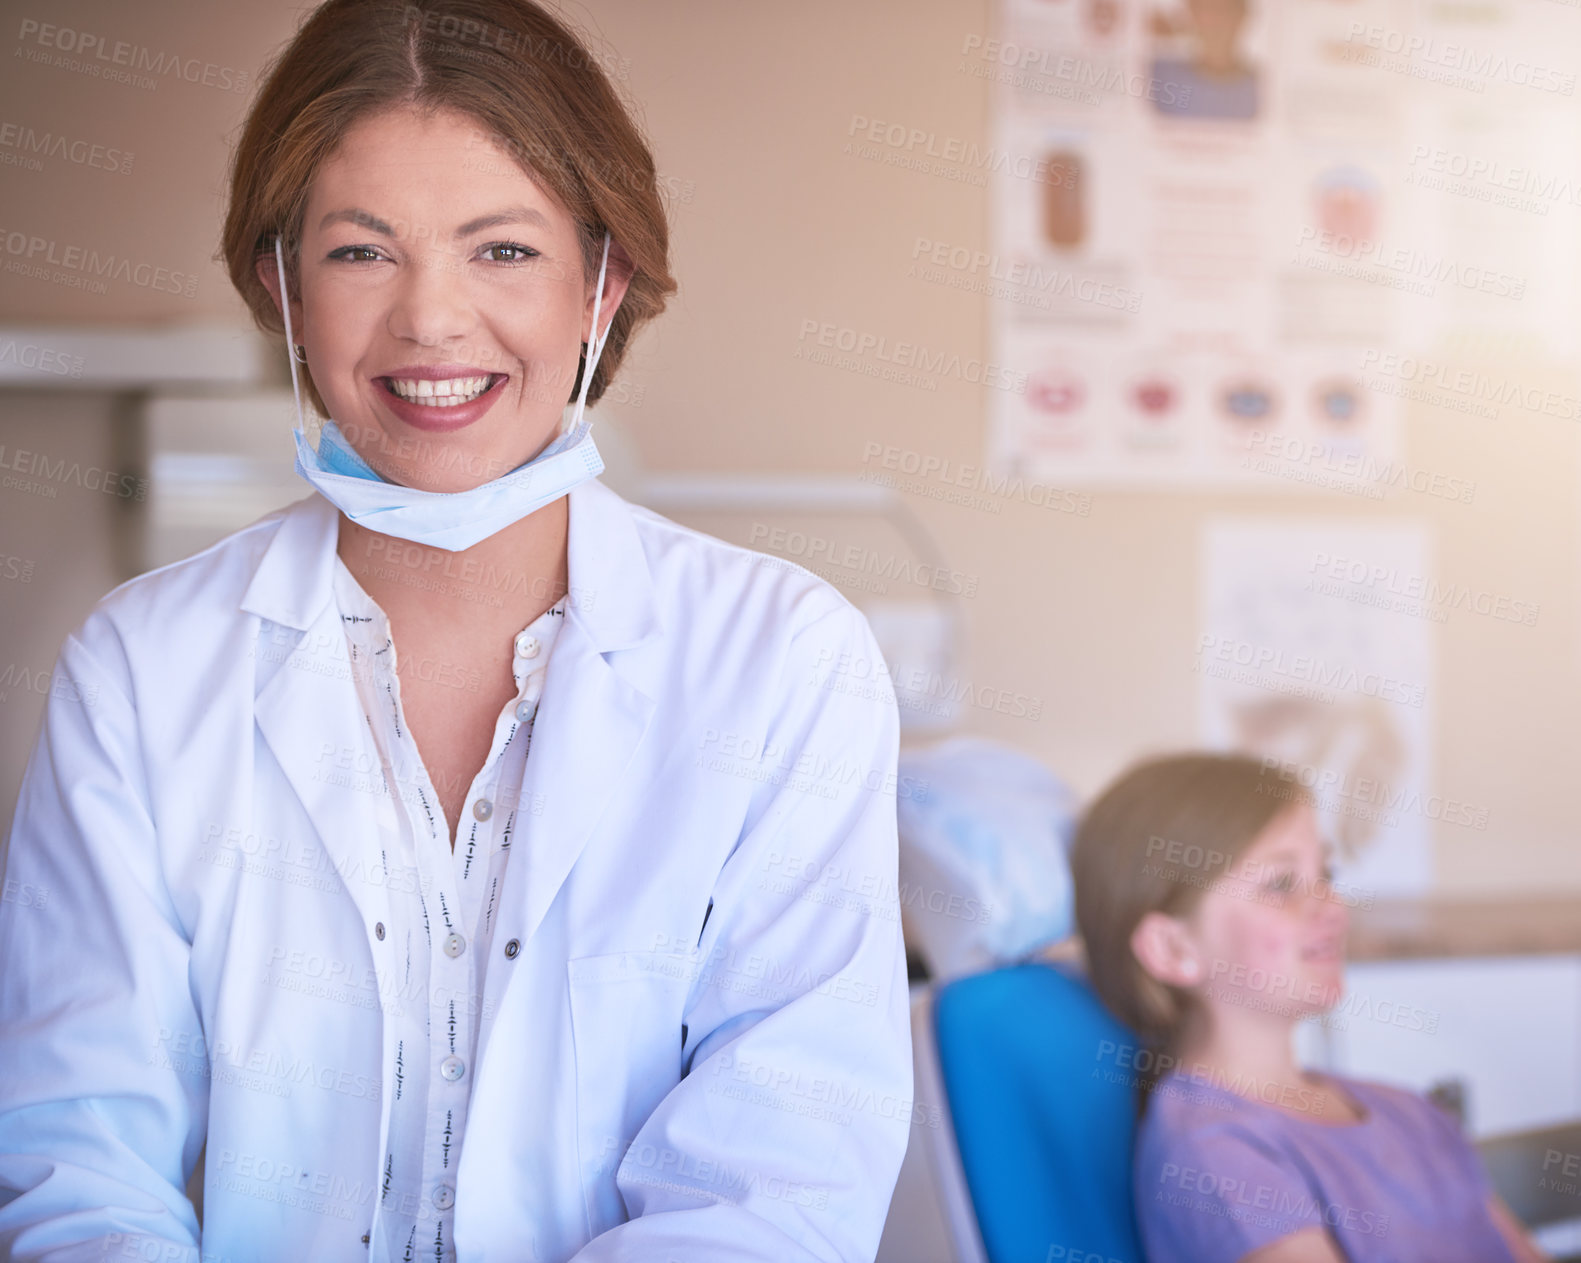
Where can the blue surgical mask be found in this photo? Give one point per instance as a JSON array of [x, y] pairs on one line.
[[451, 520]]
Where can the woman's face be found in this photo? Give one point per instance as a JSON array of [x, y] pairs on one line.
[[442, 301], [1269, 936]]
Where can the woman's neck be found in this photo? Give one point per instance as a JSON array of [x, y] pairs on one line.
[[506, 580]]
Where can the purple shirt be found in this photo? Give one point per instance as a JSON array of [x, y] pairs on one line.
[[1219, 1175]]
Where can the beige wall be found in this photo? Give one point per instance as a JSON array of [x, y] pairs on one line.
[[748, 105]]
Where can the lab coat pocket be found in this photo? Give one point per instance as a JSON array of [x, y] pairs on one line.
[[626, 1014]]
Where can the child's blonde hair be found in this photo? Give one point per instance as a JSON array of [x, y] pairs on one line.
[[1155, 841]]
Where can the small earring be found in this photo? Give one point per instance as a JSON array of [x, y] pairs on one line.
[[299, 353], [1189, 968]]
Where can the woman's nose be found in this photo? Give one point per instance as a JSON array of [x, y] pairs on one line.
[[430, 304]]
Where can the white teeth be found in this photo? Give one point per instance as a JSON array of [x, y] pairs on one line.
[[439, 394]]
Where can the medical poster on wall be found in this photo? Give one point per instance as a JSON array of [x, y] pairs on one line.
[[1315, 652], [1215, 221]]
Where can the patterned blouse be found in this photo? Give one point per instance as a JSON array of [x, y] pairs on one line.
[[443, 916]]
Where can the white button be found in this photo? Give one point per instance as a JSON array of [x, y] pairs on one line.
[[526, 646], [455, 945], [444, 1197], [483, 809], [525, 709], [452, 1068]]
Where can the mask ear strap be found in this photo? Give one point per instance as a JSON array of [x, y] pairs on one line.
[[290, 340], [595, 345]]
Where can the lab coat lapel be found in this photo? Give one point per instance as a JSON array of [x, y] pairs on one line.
[[308, 709], [588, 728], [312, 719], [596, 704]]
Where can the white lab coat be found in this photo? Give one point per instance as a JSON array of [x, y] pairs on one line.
[[194, 889]]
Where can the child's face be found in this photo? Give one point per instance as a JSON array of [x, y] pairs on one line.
[[1270, 935]]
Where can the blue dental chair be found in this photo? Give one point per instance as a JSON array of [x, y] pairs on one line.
[[1021, 1141], [1022, 1151]]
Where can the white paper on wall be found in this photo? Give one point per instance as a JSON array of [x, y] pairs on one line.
[[1315, 651]]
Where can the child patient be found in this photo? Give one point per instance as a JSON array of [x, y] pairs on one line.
[[1211, 929]]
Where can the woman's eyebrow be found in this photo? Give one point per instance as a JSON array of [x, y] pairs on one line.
[[355, 216], [510, 215]]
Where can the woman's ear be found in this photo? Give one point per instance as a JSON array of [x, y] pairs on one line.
[[1165, 949], [269, 276], [617, 277]]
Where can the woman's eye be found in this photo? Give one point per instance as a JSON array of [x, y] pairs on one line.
[[1284, 883], [345, 252], [513, 252]]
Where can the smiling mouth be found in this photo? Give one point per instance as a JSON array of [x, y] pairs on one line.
[[441, 394]]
